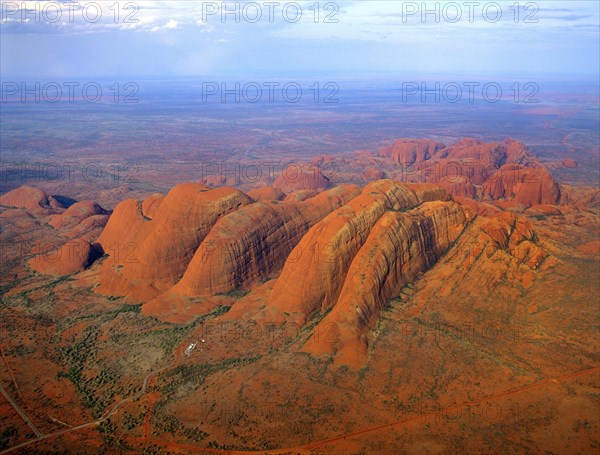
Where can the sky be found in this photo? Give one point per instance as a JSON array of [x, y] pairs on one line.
[[354, 39]]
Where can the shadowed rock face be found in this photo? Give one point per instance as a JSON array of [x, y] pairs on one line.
[[313, 274], [254, 242], [403, 245], [400, 246]]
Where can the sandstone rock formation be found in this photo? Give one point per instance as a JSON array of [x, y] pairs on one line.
[[90, 228], [341, 254], [300, 195], [301, 176], [154, 253], [266, 193], [372, 173], [123, 224], [313, 274], [407, 152], [253, 242], [459, 186], [74, 256], [27, 197], [486, 153], [400, 246], [580, 196], [477, 161], [76, 214], [525, 185], [499, 251]]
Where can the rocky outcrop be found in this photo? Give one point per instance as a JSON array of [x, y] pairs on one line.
[[525, 185], [152, 254], [301, 176], [300, 195], [580, 196], [27, 197], [313, 274], [500, 254], [515, 234], [90, 228], [122, 226], [494, 154], [75, 214], [253, 242], [340, 255], [400, 247], [266, 193], [459, 186], [372, 173], [406, 152], [74, 256], [476, 161]]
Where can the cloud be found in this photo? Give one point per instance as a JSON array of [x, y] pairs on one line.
[[368, 36], [172, 24], [84, 17]]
